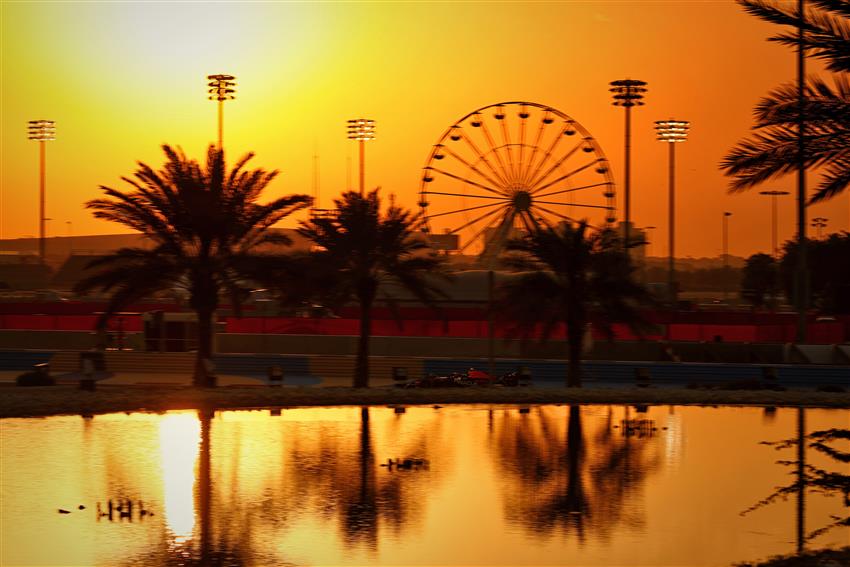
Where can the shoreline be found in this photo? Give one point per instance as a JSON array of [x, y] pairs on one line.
[[21, 402]]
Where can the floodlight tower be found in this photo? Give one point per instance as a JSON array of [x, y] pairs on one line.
[[672, 132], [221, 89], [628, 93], [42, 131], [362, 130], [773, 195]]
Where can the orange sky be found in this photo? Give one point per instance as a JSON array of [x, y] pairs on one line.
[[119, 79]]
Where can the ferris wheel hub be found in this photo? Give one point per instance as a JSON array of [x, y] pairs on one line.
[[521, 200]]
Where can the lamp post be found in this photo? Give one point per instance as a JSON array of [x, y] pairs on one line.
[[42, 131], [628, 93], [221, 89], [773, 196], [819, 223], [672, 132], [362, 130], [726, 216]]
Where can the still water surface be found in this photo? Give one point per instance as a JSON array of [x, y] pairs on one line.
[[486, 486]]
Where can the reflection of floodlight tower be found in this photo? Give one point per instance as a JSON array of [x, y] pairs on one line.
[[628, 93], [41, 131], [221, 89], [773, 196], [672, 131], [819, 223], [362, 130]]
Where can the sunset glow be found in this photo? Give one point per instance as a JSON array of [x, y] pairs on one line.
[[119, 79]]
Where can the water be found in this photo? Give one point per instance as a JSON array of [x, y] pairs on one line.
[[494, 486]]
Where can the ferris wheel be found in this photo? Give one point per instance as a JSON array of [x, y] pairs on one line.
[[511, 167]]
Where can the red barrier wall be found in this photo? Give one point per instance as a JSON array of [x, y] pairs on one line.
[[818, 333]]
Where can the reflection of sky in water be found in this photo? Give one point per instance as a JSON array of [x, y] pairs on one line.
[[673, 440], [503, 487], [179, 435]]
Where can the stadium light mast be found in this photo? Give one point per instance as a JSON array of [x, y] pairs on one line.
[[628, 93], [42, 131], [221, 89], [672, 132], [362, 130]]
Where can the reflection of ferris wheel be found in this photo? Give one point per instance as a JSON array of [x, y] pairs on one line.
[[514, 166]]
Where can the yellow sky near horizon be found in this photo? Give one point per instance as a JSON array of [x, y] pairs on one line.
[[122, 78]]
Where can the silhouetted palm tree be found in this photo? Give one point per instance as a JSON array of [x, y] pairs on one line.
[[772, 150], [205, 225], [365, 251], [567, 273], [827, 31]]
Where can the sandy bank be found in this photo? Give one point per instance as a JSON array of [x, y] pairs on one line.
[[54, 400]]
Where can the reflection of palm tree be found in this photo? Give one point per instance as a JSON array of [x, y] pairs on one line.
[[233, 545], [567, 273], [360, 513], [204, 224], [566, 484], [352, 486], [812, 479]]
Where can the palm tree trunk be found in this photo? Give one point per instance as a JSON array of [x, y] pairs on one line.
[[361, 370], [203, 362], [575, 334]]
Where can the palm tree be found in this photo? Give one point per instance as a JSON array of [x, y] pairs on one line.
[[773, 149], [366, 252], [566, 274], [205, 225]]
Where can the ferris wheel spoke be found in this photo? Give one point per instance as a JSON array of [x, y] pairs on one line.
[[498, 182], [464, 210], [506, 136], [538, 179], [481, 230], [503, 181], [468, 181], [521, 145], [535, 190], [532, 170], [572, 189], [495, 151], [505, 199], [571, 204], [524, 175], [557, 214]]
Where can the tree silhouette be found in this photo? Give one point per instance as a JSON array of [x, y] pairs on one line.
[[773, 149], [362, 252], [829, 269], [205, 225], [760, 280], [566, 273]]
